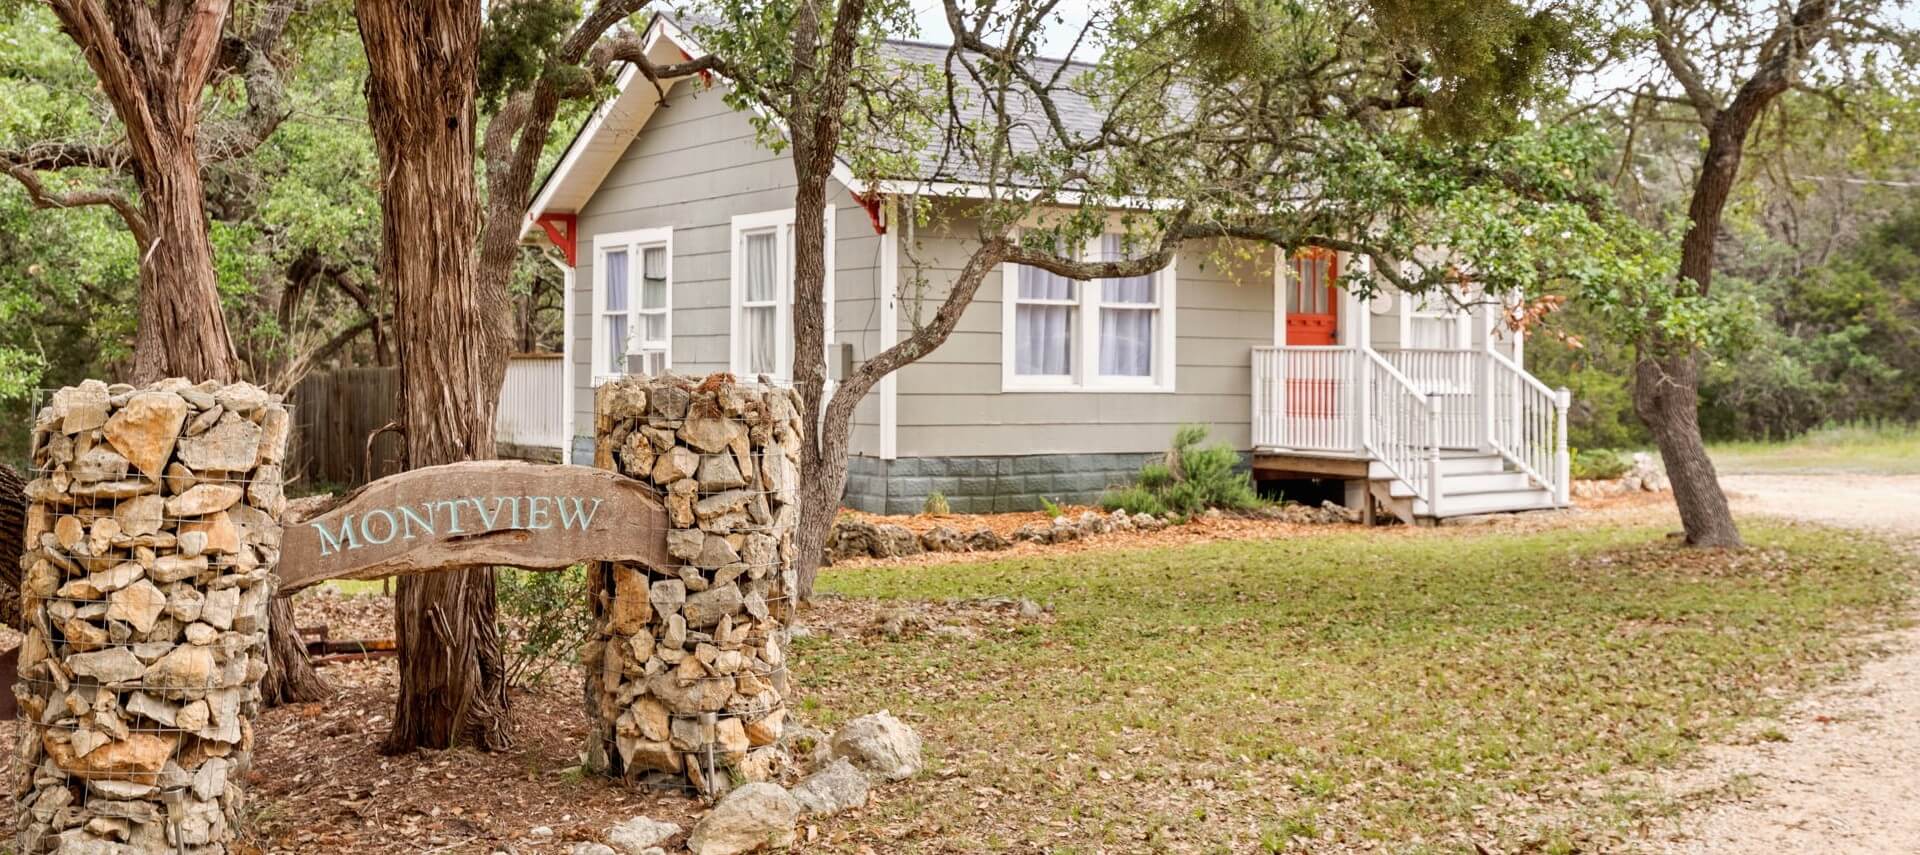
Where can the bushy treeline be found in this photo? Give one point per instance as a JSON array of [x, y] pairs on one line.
[[1831, 338]]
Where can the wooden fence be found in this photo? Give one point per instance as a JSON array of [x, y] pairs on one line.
[[334, 411]]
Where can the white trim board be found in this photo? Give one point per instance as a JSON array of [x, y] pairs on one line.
[[781, 223], [635, 242]]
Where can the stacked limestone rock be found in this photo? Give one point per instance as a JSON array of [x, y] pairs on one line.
[[153, 533], [686, 668]]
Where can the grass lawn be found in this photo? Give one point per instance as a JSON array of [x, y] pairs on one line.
[[1408, 691], [1866, 449]]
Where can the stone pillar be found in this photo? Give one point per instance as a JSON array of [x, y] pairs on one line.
[[687, 678], [152, 533]]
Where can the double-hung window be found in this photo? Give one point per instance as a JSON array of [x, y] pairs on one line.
[[1064, 334], [633, 302], [763, 273]]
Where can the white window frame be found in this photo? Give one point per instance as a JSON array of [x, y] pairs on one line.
[[1089, 302], [1420, 307], [780, 222], [634, 243]]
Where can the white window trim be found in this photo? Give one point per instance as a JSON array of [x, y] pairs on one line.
[[781, 222], [634, 242], [1085, 376]]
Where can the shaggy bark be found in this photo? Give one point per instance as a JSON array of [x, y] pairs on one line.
[[450, 334], [154, 80], [153, 66], [13, 538]]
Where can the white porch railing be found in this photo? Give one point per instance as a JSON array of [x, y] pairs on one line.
[[1527, 424], [1304, 398], [1403, 408], [530, 402], [1403, 429], [1451, 377]]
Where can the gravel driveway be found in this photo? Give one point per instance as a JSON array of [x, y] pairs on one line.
[[1844, 779]]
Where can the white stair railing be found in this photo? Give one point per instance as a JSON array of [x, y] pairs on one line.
[[1527, 424], [1402, 429], [1449, 375]]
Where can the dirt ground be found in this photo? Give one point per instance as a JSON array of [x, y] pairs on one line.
[[1835, 773]]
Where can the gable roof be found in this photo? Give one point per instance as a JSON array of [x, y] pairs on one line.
[[611, 128]]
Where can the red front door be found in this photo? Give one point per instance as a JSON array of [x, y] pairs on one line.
[[1313, 306], [1313, 320]]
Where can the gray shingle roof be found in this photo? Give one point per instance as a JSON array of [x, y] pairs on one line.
[[1031, 131]]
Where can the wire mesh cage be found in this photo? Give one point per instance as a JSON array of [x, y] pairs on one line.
[[692, 687], [152, 534]]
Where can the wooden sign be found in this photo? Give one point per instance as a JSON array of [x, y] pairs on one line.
[[538, 516]]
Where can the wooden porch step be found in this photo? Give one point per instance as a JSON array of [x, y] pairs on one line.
[[1469, 484], [1459, 464]]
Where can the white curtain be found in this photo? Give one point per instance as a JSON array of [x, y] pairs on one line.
[[761, 259], [653, 293], [1126, 333], [1043, 333], [616, 308]]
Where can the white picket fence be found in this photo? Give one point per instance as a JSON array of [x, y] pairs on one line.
[[532, 407]]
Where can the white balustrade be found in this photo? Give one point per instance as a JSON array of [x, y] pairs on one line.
[[1403, 408]]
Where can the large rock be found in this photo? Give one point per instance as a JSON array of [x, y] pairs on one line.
[[145, 430], [187, 667], [139, 604], [100, 463], [139, 757], [896, 541], [82, 407], [203, 499], [710, 435], [836, 788], [140, 515], [718, 472], [753, 818], [706, 608], [880, 745], [984, 539], [233, 445], [637, 835], [113, 665], [632, 607], [675, 464]]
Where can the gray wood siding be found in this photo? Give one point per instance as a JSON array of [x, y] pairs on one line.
[[693, 168], [950, 402]]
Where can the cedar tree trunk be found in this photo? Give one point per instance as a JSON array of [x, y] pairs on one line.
[[153, 66], [451, 337], [182, 331]]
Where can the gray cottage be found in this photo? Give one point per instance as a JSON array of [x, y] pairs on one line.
[[676, 225]]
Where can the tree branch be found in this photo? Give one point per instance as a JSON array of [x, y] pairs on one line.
[[119, 202]]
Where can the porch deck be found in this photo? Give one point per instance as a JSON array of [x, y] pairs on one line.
[[1434, 432]]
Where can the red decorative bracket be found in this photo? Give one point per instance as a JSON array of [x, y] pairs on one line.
[[871, 202], [706, 75], [562, 229]]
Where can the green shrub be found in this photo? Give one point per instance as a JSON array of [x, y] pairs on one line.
[[1135, 499], [1599, 464], [1052, 507], [1192, 479], [543, 619], [937, 504]]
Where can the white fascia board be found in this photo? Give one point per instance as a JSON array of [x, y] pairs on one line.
[[584, 139]]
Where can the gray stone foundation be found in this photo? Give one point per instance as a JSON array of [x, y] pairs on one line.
[[987, 484]]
